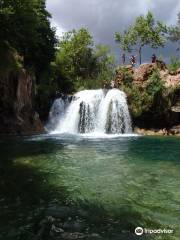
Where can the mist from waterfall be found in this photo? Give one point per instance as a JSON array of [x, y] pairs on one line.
[[91, 111]]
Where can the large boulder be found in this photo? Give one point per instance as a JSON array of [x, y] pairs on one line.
[[143, 72], [170, 79]]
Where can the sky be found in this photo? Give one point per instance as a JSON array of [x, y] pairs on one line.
[[105, 17]]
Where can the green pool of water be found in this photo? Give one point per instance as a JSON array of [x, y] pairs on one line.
[[119, 183]]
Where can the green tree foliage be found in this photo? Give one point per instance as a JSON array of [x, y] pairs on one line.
[[27, 40], [79, 64], [105, 62], [174, 64], [74, 56], [144, 31], [155, 84], [25, 26], [174, 31]]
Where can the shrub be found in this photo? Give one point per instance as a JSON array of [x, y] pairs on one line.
[[155, 84], [174, 64], [126, 76], [138, 99], [148, 98]]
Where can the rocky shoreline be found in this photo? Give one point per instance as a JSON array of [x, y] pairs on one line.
[[174, 131]]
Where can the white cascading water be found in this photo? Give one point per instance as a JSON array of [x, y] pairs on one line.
[[91, 111]]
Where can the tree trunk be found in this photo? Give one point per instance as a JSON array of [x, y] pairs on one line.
[[140, 57]]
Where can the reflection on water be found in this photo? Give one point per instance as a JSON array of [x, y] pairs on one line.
[[122, 182]]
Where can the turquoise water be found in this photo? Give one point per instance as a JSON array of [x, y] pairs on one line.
[[120, 183]]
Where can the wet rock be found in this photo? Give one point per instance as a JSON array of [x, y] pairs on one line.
[[176, 107], [82, 213], [59, 212], [73, 226], [95, 236], [175, 130], [56, 229], [151, 132], [72, 236], [65, 212], [45, 228]]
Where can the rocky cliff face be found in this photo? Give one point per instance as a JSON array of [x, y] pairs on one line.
[[159, 112], [17, 115], [141, 74]]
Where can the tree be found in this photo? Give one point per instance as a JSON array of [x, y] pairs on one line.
[[174, 31], [144, 31], [74, 58], [25, 26], [79, 63], [105, 62], [27, 40], [74, 53]]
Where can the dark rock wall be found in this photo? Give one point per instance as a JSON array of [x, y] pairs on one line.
[[17, 115]]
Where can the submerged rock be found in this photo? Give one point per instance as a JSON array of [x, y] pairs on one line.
[[72, 236], [59, 212]]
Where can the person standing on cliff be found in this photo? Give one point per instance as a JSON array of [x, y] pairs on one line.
[[133, 60], [153, 58]]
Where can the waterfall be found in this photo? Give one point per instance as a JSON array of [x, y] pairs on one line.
[[102, 111]]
